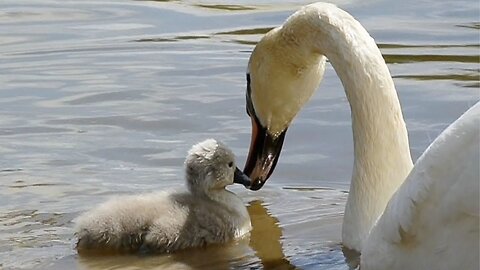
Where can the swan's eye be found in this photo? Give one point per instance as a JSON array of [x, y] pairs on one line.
[[230, 164]]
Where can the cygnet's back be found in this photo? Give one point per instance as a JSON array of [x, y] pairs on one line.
[[168, 221]]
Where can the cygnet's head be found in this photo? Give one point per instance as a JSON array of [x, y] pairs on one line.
[[210, 165]]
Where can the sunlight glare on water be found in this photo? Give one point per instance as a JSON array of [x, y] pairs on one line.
[[102, 98]]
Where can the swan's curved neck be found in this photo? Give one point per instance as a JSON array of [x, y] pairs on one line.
[[382, 155]]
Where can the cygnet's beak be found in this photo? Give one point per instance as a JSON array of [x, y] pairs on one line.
[[241, 178]]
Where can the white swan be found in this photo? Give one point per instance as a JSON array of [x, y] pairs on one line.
[[165, 222], [284, 70]]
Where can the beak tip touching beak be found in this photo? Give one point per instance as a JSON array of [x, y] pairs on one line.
[[241, 178]]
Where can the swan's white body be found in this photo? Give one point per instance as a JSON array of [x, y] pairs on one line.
[[432, 220], [168, 221]]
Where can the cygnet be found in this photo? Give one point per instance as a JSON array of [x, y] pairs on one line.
[[168, 221]]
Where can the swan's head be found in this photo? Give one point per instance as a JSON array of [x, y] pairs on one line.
[[210, 165], [283, 72]]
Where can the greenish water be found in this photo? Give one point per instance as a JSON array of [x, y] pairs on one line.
[[105, 97]]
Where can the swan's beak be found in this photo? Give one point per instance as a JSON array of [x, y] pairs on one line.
[[264, 148], [241, 178], [263, 154]]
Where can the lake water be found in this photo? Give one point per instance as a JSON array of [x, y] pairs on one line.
[[99, 98]]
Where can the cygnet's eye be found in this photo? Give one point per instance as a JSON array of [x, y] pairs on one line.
[[230, 164]]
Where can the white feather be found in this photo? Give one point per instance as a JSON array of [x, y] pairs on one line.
[[433, 218], [431, 221]]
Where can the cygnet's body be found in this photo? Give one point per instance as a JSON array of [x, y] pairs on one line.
[[169, 221]]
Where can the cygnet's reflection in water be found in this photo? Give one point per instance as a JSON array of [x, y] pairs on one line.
[[262, 249]]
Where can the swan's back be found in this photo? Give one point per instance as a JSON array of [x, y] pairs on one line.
[[432, 221]]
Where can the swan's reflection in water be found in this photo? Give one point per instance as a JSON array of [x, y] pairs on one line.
[[265, 238], [262, 249], [352, 257]]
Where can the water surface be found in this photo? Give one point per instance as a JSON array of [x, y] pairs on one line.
[[99, 98]]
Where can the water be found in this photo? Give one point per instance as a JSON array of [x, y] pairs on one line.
[[100, 98]]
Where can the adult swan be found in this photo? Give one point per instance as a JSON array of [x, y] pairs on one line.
[[399, 216]]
